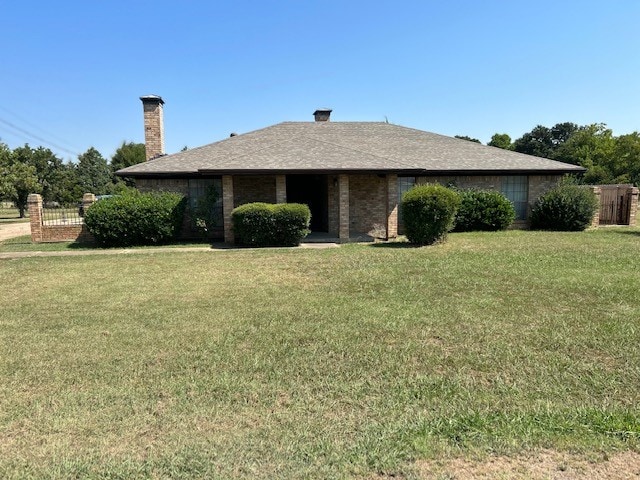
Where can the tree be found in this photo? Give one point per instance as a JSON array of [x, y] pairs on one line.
[[464, 137], [18, 181], [46, 164], [127, 154], [501, 140], [543, 141], [592, 147], [94, 175]]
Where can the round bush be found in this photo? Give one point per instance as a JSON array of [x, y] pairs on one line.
[[564, 208], [487, 210], [136, 218], [270, 225], [428, 212]]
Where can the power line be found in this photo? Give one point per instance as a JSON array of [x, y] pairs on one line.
[[36, 137], [43, 131]]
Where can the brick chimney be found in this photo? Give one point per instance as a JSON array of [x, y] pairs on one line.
[[153, 126], [322, 114]]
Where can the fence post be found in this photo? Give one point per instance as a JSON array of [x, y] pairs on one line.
[[595, 221], [88, 199], [34, 202], [633, 206]]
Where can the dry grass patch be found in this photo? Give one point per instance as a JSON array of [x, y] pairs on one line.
[[540, 465]]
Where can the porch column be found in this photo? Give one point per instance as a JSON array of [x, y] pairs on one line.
[[227, 207], [343, 207], [392, 206], [281, 189]]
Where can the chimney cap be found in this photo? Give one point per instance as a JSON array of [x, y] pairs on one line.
[[152, 98], [322, 114]]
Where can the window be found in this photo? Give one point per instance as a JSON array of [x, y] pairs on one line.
[[404, 185], [516, 189], [198, 189]]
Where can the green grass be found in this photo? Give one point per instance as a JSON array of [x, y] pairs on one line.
[[11, 215], [336, 363], [24, 244]]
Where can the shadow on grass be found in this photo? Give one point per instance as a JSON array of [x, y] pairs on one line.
[[394, 245]]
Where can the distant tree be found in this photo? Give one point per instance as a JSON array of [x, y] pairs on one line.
[[18, 180], [627, 156], [464, 137], [543, 141], [128, 154], [46, 164], [592, 147], [501, 140], [93, 172]]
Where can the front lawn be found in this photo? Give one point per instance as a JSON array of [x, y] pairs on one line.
[[353, 362]]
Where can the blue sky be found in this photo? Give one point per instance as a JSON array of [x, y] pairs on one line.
[[71, 72]]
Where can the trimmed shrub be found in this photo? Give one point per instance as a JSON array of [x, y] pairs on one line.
[[564, 208], [136, 218], [270, 225], [428, 212], [487, 210]]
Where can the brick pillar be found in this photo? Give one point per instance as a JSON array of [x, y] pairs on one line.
[[227, 207], [392, 206], [281, 189], [88, 199], [343, 207], [595, 221], [34, 202], [633, 206]]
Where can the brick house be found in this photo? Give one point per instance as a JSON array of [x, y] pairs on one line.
[[351, 174]]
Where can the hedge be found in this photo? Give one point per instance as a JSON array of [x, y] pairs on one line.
[[566, 207], [270, 225], [136, 218], [428, 212], [483, 210]]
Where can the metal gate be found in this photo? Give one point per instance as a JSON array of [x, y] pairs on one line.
[[615, 203]]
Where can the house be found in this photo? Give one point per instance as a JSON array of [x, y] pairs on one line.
[[351, 174]]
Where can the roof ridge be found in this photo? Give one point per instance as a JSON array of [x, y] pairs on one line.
[[358, 150]]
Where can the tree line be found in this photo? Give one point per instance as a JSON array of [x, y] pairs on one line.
[[26, 170], [607, 158]]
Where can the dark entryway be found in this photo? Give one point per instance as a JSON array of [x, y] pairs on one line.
[[312, 190]]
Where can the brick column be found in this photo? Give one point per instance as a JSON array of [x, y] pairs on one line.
[[343, 207], [281, 189], [34, 202], [633, 206], [595, 221], [88, 199], [392, 206], [227, 207]]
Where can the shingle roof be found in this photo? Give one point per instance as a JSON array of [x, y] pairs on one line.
[[344, 147]]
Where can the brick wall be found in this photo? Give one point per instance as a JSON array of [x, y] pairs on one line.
[[368, 204], [56, 233], [178, 185], [254, 188]]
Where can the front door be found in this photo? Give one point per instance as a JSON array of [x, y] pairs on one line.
[[311, 190]]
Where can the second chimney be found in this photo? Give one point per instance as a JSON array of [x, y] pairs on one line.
[[322, 114], [153, 126]]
